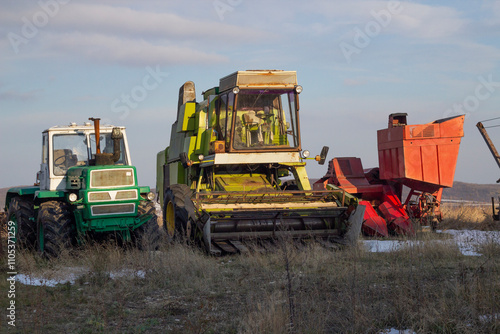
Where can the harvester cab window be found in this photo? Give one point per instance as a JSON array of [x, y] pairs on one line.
[[68, 150], [265, 119], [224, 117]]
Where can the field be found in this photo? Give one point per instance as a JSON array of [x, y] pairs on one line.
[[427, 287]]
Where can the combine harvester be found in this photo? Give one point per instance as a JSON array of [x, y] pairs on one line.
[[421, 157], [222, 181], [496, 156]]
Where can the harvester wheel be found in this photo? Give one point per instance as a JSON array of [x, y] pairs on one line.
[[147, 236], [178, 212], [22, 213], [55, 228]]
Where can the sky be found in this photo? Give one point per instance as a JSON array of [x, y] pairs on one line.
[[358, 61]]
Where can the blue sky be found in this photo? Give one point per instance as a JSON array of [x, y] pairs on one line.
[[64, 61]]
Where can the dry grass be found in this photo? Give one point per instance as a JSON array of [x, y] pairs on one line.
[[468, 217], [429, 287]]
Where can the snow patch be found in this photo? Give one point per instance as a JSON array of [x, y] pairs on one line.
[[72, 277], [41, 281], [396, 331], [468, 241]]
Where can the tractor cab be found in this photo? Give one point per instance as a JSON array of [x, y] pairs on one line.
[[76, 146]]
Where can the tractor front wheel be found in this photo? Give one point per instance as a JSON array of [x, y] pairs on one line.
[[22, 213], [55, 228], [147, 236], [178, 212]]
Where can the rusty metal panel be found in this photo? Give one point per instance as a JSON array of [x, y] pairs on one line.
[[259, 78]]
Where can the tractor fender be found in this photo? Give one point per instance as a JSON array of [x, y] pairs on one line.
[[19, 191]]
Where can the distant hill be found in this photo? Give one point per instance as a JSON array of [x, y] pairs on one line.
[[472, 192]]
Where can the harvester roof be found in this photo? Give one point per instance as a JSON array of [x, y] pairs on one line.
[[259, 79]]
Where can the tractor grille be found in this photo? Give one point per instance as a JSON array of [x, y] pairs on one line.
[[107, 178], [98, 210], [103, 196]]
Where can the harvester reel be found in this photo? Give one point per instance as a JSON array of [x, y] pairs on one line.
[[178, 212]]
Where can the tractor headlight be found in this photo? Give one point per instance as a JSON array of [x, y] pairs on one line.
[[236, 90], [201, 157], [306, 154], [150, 196], [298, 89], [72, 197]]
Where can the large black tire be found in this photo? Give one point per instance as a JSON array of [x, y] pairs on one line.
[[22, 212], [178, 212], [56, 228], [147, 236]]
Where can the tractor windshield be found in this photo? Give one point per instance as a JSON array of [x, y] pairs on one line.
[[75, 150], [265, 119], [69, 150]]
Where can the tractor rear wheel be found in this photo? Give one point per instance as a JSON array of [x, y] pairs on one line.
[[22, 213], [147, 236], [55, 228], [178, 212]]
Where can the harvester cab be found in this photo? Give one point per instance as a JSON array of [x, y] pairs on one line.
[[225, 176], [86, 186]]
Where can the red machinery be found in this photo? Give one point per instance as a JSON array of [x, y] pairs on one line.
[[420, 157]]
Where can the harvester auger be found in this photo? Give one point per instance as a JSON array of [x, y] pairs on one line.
[[496, 156], [221, 182], [83, 192], [421, 157]]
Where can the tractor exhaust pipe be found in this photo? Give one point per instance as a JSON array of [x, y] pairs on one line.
[[97, 134], [102, 159]]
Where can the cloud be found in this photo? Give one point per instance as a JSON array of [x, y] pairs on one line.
[[412, 20], [119, 35], [430, 23], [12, 95], [132, 52], [127, 22]]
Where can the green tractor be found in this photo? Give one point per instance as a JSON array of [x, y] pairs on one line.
[[235, 170], [82, 192]]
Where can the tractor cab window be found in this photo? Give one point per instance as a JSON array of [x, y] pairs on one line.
[[106, 144], [68, 150], [265, 119]]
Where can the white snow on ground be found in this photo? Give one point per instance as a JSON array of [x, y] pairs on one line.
[[467, 241], [127, 273], [396, 331], [39, 281], [71, 278], [383, 246], [489, 317]]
